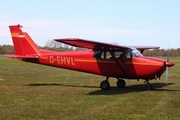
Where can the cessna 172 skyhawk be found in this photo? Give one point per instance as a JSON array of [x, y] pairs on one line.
[[100, 58]]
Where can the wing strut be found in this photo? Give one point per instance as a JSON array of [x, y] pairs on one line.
[[111, 52]]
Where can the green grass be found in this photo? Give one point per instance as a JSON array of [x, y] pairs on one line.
[[30, 91]]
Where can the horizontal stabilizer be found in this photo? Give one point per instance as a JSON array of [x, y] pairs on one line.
[[20, 56]]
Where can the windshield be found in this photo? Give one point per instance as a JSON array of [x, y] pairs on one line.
[[134, 52]]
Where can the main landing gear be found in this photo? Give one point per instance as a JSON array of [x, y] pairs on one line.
[[105, 85], [121, 83]]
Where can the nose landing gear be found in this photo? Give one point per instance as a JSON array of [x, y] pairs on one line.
[[148, 86]]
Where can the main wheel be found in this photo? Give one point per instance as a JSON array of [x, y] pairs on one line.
[[105, 85], [121, 83], [149, 87]]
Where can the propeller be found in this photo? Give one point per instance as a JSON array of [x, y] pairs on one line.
[[167, 68], [167, 74]]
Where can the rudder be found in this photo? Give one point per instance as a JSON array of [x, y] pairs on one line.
[[23, 44]]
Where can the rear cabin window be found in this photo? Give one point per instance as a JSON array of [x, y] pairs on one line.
[[98, 54], [102, 55]]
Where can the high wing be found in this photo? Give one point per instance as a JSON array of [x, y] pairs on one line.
[[89, 44], [77, 42], [142, 48]]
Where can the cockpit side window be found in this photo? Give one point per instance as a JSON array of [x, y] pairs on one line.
[[134, 52], [129, 55], [102, 55], [125, 54]]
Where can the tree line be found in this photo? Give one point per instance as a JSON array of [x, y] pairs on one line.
[[57, 46]]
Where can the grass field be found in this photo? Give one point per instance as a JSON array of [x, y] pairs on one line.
[[29, 91]]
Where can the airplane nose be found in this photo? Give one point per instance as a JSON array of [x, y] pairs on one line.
[[169, 64]]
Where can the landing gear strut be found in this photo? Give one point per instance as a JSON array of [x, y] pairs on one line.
[[148, 86]]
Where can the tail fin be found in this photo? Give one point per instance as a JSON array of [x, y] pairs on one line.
[[23, 44]]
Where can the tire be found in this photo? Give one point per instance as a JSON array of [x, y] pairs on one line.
[[149, 87], [121, 83], [105, 85]]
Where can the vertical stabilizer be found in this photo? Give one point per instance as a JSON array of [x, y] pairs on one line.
[[23, 44]]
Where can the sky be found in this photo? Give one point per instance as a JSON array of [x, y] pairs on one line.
[[125, 22]]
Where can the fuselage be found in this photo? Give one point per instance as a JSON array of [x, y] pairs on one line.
[[85, 61]]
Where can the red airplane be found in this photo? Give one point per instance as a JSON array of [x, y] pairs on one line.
[[109, 60]]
